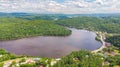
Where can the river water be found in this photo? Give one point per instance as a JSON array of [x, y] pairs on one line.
[[53, 46]]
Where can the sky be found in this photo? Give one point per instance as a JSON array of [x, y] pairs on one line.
[[61, 6]]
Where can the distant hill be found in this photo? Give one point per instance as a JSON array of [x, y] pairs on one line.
[[18, 14]]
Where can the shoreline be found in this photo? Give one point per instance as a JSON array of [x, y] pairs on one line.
[[103, 44]]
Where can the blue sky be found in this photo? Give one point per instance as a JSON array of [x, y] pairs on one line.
[[60, 6], [89, 0], [60, 1]]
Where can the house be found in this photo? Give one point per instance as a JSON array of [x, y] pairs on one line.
[[30, 61], [107, 44], [41, 65]]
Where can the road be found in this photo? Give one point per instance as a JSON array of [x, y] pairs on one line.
[[103, 44]]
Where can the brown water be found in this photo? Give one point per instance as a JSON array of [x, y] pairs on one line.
[[52, 46]]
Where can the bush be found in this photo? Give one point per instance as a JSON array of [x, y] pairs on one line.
[[28, 65]]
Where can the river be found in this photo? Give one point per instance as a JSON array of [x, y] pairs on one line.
[[53, 46]]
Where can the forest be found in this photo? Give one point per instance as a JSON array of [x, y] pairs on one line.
[[115, 40], [80, 59], [20, 28], [103, 24]]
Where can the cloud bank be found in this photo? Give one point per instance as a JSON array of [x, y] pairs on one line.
[[60, 6]]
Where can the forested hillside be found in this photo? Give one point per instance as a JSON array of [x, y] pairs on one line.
[[110, 25], [14, 28]]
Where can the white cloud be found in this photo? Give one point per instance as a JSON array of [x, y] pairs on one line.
[[69, 6]]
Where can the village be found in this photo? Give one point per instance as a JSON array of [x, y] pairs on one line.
[[30, 62]]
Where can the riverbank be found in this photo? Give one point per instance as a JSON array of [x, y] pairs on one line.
[[102, 37]]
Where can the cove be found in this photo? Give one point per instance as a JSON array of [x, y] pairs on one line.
[[53, 46]]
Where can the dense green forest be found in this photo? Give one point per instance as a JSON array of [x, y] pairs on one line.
[[19, 28], [115, 40], [110, 25], [80, 59]]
